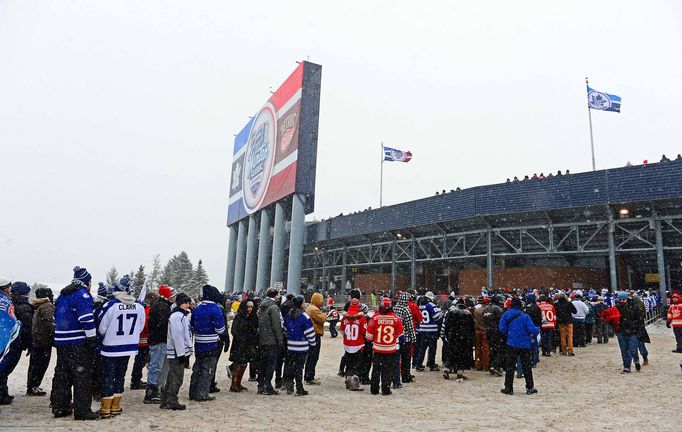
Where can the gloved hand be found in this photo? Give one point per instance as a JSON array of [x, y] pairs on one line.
[[181, 359], [91, 343], [186, 362], [226, 347], [668, 325]]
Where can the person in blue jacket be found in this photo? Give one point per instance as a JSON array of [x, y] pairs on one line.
[[518, 329]]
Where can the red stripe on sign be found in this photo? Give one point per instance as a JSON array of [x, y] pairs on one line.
[[288, 89], [282, 184]]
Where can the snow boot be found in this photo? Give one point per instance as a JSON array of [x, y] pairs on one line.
[[151, 395], [105, 408], [116, 405]]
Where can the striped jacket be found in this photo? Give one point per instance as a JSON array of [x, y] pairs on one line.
[[432, 315], [179, 340], [300, 331], [73, 316], [208, 323]]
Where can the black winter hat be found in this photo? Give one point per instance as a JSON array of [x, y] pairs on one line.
[[44, 293], [298, 301], [182, 298], [516, 302], [211, 293]]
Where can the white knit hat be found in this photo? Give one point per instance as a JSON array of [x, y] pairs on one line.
[[4, 281]]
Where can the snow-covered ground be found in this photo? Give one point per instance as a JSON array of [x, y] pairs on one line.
[[581, 393]]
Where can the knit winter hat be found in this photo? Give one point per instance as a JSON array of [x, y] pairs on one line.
[[182, 298], [102, 291], [20, 288], [386, 302], [622, 295], [516, 303], [125, 284], [4, 282], [165, 292], [429, 295], [44, 293], [298, 301], [211, 293], [81, 275], [486, 300], [354, 308]]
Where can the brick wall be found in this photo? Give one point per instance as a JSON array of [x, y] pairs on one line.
[[381, 282], [472, 280]]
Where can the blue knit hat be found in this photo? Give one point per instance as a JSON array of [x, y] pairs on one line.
[[102, 291], [81, 275], [20, 288], [622, 295], [125, 284]]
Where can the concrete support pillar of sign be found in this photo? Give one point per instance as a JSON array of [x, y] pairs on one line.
[[296, 239], [413, 264], [240, 258], [278, 245], [264, 248], [251, 254], [231, 255]]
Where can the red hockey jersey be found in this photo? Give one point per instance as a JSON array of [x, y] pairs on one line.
[[353, 330], [384, 330], [548, 315]]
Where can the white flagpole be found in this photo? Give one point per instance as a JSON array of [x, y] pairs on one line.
[[589, 114], [381, 177]]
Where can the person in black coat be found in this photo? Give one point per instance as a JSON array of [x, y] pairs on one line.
[[18, 292], [244, 342], [564, 318], [459, 331]]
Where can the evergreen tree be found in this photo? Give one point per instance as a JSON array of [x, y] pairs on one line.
[[168, 274], [155, 276], [183, 274], [200, 277], [112, 276], [138, 279], [37, 285]]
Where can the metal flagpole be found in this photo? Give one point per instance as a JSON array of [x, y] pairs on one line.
[[381, 177], [589, 114]]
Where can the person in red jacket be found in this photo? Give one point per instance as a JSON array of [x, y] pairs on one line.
[[384, 330], [548, 325], [674, 320], [612, 317], [353, 327]]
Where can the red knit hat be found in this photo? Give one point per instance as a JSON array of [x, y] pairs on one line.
[[386, 302], [165, 292], [354, 308]]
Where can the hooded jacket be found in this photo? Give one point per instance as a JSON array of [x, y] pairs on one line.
[[402, 310], [24, 313], [270, 323], [208, 321], [300, 331], [43, 323], [73, 316], [564, 311], [120, 323], [179, 338], [316, 315]]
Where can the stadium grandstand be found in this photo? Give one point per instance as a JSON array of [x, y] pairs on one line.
[[616, 228]]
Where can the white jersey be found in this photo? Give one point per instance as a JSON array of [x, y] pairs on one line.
[[120, 326]]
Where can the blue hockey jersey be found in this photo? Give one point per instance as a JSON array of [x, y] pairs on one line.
[[432, 315], [208, 323], [73, 316], [300, 331]]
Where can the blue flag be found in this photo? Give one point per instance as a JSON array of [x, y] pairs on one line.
[[602, 101]]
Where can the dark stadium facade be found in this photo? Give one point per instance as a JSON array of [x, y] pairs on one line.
[[616, 228]]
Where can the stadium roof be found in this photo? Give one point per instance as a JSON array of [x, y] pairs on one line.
[[643, 189]]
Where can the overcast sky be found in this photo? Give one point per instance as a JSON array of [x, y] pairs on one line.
[[117, 117]]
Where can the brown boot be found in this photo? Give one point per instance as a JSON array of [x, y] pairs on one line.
[[116, 405], [645, 361], [236, 379], [241, 375], [105, 410]]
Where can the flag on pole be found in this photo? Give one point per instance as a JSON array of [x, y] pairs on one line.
[[394, 155], [602, 101]]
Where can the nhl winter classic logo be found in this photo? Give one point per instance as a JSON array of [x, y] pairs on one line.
[[397, 155], [259, 158], [598, 100]]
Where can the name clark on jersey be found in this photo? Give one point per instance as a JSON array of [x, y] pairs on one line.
[[122, 306]]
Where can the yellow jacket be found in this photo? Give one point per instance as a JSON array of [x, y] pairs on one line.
[[316, 315]]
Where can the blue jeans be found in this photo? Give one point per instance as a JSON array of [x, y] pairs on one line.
[[643, 350], [311, 360], [267, 366], [426, 341], [629, 344], [157, 356], [546, 338], [113, 375]]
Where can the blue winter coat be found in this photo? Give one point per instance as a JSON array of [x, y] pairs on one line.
[[518, 328]]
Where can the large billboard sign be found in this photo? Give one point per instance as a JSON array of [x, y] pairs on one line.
[[275, 154]]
